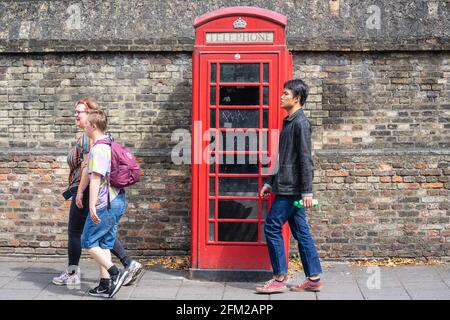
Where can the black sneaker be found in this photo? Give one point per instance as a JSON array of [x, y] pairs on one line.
[[117, 282], [99, 291]]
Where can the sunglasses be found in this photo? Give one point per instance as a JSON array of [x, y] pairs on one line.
[[83, 102]]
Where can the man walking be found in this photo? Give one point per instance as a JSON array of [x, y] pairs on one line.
[[292, 182]]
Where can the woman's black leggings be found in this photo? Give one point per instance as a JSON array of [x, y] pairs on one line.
[[77, 218]]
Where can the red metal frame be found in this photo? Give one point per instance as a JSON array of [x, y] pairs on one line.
[[215, 254]]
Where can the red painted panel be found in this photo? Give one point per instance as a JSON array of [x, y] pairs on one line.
[[208, 251]]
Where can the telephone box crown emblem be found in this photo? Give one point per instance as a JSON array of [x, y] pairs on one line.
[[240, 23]]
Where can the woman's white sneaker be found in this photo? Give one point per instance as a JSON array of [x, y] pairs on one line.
[[71, 279]]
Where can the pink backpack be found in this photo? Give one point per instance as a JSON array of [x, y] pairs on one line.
[[125, 169]]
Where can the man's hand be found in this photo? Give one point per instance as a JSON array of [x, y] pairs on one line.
[[265, 191], [79, 200], [308, 202], [94, 217]]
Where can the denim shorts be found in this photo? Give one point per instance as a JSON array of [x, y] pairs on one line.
[[103, 235]]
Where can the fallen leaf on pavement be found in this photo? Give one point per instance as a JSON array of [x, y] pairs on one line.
[[171, 262], [395, 262]]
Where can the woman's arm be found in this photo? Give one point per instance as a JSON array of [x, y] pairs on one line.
[[84, 182]]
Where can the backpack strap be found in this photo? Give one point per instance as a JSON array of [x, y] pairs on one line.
[[109, 199], [103, 141]]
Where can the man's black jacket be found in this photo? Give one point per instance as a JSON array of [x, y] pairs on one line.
[[295, 165]]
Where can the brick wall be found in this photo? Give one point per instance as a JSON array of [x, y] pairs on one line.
[[147, 97], [381, 132], [382, 204], [33, 219], [378, 100], [384, 100], [381, 140]]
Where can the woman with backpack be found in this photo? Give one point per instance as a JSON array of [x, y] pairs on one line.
[[79, 209]]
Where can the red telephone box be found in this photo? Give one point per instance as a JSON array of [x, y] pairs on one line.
[[240, 63]]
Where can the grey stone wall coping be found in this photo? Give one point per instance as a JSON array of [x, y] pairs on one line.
[[167, 25]]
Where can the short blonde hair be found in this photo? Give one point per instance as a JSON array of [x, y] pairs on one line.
[[98, 118]]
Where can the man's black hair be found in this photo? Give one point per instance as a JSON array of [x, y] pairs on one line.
[[298, 88]]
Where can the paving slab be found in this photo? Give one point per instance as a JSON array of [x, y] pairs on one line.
[[443, 271], [342, 287], [192, 290], [67, 295], [387, 296], [158, 283], [383, 283], [52, 289], [391, 291], [124, 293], [333, 278], [35, 284], [340, 291], [200, 296], [339, 296], [426, 285], [289, 295], [18, 294], [10, 271], [429, 294], [5, 280], [447, 282], [245, 296], [167, 292], [417, 273]]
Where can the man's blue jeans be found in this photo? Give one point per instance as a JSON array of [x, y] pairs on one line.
[[283, 210]]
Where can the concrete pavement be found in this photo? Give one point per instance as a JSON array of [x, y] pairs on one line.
[[31, 279]]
